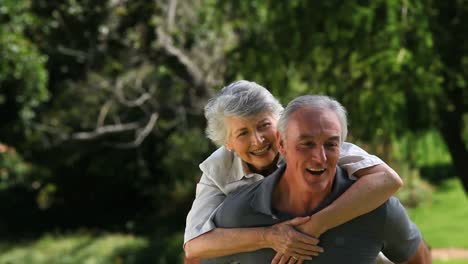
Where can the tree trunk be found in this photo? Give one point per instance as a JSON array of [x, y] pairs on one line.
[[451, 130]]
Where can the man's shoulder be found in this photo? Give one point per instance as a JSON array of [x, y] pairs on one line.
[[242, 196], [243, 192], [394, 206], [237, 210], [395, 212]]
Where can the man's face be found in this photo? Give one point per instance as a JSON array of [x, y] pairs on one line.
[[312, 147]]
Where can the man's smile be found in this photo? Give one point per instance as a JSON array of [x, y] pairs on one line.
[[316, 171]]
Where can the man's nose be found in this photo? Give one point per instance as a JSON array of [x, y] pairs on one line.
[[319, 154]]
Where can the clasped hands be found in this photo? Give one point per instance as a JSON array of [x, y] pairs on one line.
[[295, 240]]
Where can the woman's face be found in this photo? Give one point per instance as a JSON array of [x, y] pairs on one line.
[[253, 139]]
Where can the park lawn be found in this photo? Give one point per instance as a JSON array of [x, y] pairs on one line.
[[461, 261], [443, 220], [74, 249]]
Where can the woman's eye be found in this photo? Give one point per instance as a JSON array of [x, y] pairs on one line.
[[331, 145], [242, 134]]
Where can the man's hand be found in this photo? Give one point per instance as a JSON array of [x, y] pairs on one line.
[[291, 245]]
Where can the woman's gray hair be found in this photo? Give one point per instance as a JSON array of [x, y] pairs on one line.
[[238, 99], [316, 101]]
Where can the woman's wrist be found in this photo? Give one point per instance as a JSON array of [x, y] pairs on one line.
[[314, 227], [266, 236]]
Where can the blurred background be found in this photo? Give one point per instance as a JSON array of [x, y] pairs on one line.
[[101, 111]]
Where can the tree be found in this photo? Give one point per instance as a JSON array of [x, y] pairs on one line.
[[23, 76], [128, 82], [395, 65]]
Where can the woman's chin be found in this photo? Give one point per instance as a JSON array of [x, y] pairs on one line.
[[265, 162]]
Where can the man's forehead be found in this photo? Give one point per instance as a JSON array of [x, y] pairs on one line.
[[314, 117], [312, 123], [306, 136]]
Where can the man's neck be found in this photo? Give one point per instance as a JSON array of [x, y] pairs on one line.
[[296, 199]]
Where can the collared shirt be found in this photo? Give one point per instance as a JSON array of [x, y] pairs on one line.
[[224, 172], [387, 228]]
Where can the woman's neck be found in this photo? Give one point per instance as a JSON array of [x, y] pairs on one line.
[[267, 170]]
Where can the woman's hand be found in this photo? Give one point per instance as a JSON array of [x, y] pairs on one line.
[[290, 244]]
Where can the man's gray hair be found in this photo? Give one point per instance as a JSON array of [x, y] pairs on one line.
[[238, 99], [315, 101]]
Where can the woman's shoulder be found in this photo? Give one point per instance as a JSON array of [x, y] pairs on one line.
[[226, 170], [219, 159], [223, 165]]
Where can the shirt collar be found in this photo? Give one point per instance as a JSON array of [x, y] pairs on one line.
[[247, 173], [263, 197]]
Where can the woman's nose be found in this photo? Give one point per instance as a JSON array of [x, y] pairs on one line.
[[258, 138]]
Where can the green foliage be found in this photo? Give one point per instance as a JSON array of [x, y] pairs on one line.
[[14, 170], [23, 77], [425, 149], [416, 190], [366, 60], [107, 68]]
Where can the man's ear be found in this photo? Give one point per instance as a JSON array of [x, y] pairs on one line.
[[280, 143]]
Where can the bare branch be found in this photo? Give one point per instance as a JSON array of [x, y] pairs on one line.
[[136, 78], [109, 129], [132, 103], [171, 14], [141, 135], [166, 42], [103, 113]]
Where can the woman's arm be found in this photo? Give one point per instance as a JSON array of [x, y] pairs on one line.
[[374, 186], [280, 237], [376, 183], [203, 239]]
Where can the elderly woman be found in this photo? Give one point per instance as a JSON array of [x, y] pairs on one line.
[[241, 119]]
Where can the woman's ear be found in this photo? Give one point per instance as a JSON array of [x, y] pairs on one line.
[[228, 147]]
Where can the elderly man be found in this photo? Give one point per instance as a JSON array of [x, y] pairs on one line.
[[311, 130]]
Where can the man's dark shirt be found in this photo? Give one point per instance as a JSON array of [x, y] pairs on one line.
[[387, 228]]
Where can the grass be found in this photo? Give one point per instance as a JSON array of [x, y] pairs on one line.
[[76, 248], [442, 220], [461, 261]]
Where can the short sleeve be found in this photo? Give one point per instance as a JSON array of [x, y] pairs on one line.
[[354, 158], [200, 218], [401, 236]]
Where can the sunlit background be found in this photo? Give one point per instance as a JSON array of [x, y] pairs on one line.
[[101, 111]]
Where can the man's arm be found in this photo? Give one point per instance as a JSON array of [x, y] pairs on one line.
[[421, 256], [403, 241]]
